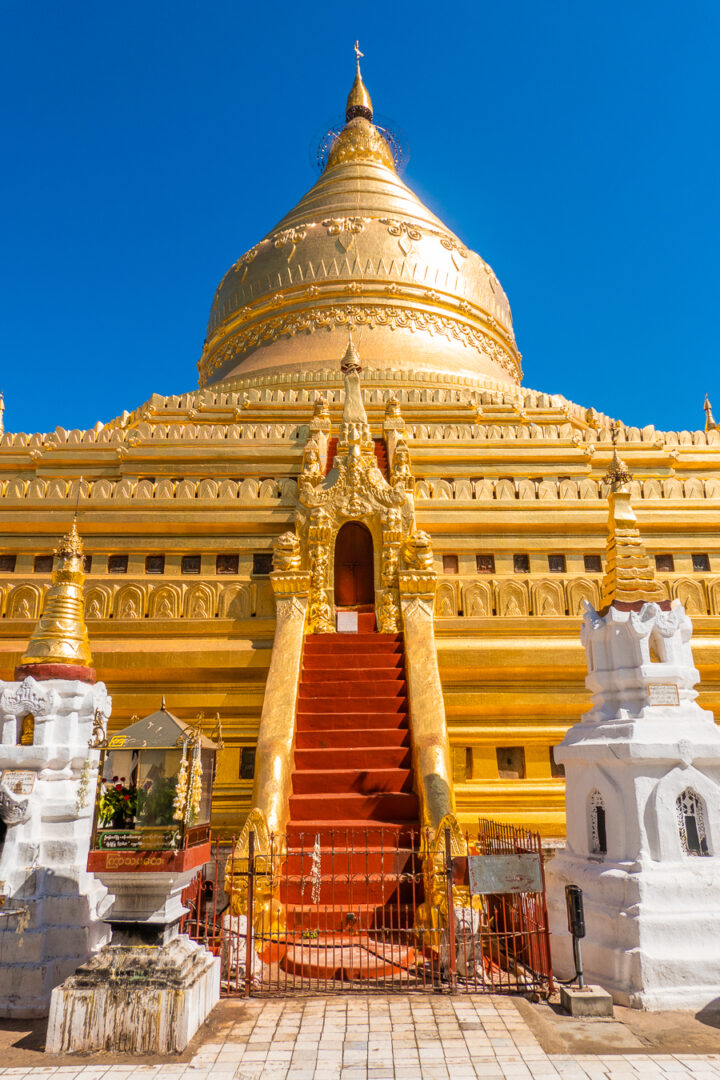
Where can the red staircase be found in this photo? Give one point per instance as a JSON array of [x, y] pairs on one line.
[[380, 454], [352, 786]]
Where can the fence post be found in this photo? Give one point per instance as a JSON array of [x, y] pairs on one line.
[[249, 922], [452, 959]]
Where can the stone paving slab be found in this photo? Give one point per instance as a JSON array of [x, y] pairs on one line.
[[378, 1038]]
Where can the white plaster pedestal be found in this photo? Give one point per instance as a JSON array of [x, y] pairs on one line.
[[149, 990], [643, 817]]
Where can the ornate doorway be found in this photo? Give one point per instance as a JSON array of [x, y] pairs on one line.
[[354, 569]]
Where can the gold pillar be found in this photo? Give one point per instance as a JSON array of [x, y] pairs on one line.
[[276, 739], [431, 749]]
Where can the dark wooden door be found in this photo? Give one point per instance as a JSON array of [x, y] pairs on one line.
[[354, 573]]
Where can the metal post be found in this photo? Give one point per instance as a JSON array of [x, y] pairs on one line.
[[249, 923], [452, 971], [577, 957]]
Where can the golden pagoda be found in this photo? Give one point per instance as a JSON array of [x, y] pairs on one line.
[[207, 532]]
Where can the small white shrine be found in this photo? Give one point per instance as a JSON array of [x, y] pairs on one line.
[[642, 794], [51, 908]]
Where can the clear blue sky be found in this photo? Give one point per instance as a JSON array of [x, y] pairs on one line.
[[146, 145]]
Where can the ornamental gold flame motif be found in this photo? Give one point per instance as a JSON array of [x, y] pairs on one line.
[[61, 636]]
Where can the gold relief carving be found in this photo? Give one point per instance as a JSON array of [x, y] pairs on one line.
[[359, 315], [548, 598], [129, 603], [446, 601], [312, 472], [477, 600], [579, 591], [24, 602], [335, 226], [389, 612], [289, 607], [199, 603], [268, 911], [164, 602], [714, 593], [512, 599], [97, 603], [290, 236], [691, 595], [235, 602]]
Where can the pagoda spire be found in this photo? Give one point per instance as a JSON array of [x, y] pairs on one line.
[[710, 424], [61, 637], [629, 580], [359, 102]]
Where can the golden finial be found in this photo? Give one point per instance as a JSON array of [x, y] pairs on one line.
[[710, 424], [162, 704], [618, 475], [350, 364], [629, 579], [61, 636], [359, 102]]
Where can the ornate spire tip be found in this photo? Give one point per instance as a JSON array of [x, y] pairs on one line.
[[359, 102]]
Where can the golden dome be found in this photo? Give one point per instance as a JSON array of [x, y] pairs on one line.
[[360, 251]]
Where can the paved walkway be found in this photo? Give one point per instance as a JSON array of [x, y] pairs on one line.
[[400, 1038]]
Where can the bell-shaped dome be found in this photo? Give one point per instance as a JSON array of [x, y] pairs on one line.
[[360, 251]]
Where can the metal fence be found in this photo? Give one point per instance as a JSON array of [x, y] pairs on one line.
[[366, 909]]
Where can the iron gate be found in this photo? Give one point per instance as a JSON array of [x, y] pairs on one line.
[[365, 909]]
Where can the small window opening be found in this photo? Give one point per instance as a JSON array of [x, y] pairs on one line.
[[154, 564], [468, 762], [485, 564], [593, 564], [450, 564], [691, 823], [556, 564], [557, 770], [598, 830], [521, 564], [701, 564], [43, 564], [7, 564], [227, 564], [665, 563], [510, 762], [190, 564], [247, 763], [262, 564], [87, 563], [117, 564]]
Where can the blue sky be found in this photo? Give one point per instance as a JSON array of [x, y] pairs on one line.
[[146, 145]]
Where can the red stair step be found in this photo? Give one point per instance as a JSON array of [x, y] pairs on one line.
[[324, 718], [344, 688], [337, 738], [342, 757], [392, 661], [371, 781], [350, 831], [381, 807]]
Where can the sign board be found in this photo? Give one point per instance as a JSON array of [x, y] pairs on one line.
[[19, 781], [119, 841], [663, 694], [504, 874]]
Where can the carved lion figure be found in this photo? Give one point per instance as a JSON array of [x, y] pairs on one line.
[[418, 552], [286, 552]]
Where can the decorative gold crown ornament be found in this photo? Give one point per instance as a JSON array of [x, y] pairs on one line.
[[629, 579]]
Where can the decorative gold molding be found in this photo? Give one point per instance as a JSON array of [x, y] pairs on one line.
[[358, 315]]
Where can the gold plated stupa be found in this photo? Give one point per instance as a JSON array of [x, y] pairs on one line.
[[360, 250], [629, 578], [61, 636]]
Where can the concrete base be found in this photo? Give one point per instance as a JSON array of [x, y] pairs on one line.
[[591, 1002], [135, 1000]]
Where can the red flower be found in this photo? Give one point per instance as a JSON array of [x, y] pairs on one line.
[[118, 787], [127, 798]]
